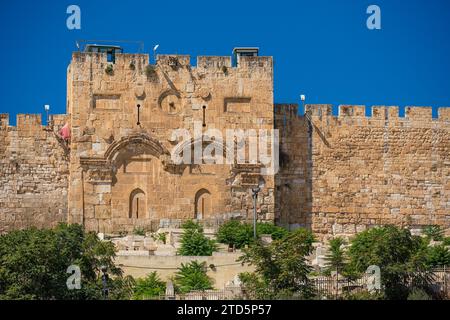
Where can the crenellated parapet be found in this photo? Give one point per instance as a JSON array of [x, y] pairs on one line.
[[286, 109], [169, 62], [32, 121], [33, 173], [30, 125], [4, 120], [378, 115]]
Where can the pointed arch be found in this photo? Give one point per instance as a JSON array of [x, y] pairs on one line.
[[203, 204], [138, 204], [200, 143], [142, 140]]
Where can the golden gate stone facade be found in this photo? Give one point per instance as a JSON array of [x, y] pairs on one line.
[[338, 174], [121, 172]]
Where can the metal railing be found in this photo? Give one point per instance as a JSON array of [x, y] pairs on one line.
[[330, 287]]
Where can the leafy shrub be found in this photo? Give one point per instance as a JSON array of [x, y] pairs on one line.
[[192, 276], [194, 242], [275, 231], [235, 233], [150, 71], [109, 69], [281, 267], [438, 256], [225, 70], [139, 231], [149, 287], [364, 295], [162, 236], [434, 233], [336, 257], [446, 241], [239, 234], [33, 264], [400, 256], [419, 294]]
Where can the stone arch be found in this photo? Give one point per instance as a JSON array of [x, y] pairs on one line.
[[203, 204], [136, 141], [178, 150], [138, 204]]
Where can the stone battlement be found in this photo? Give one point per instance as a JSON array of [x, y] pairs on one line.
[[31, 121], [339, 172], [347, 113], [208, 64]]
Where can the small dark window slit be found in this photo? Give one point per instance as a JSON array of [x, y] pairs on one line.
[[204, 113], [137, 208], [138, 107]]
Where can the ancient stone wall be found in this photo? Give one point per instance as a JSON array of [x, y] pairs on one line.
[[293, 181], [338, 174], [33, 173], [378, 170], [121, 173]]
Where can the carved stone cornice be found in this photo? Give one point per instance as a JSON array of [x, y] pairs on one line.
[[98, 170]]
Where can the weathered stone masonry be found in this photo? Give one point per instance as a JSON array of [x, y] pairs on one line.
[[34, 173], [338, 174], [117, 165], [347, 173]]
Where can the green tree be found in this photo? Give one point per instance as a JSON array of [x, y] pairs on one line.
[[438, 256], [419, 294], [335, 259], [33, 264], [446, 241], [235, 233], [149, 287], [400, 256], [281, 269], [434, 233], [192, 276], [194, 242], [239, 234], [276, 232]]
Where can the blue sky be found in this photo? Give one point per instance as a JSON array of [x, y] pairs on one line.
[[321, 48]]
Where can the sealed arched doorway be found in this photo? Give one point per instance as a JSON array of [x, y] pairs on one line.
[[138, 205], [202, 204]]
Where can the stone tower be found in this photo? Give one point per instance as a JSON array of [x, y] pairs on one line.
[[122, 174]]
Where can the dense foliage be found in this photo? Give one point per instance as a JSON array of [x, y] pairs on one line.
[[401, 257], [336, 258], [446, 241], [281, 269], [194, 242], [438, 256], [239, 235], [192, 276], [149, 287], [419, 294], [33, 264], [434, 233], [276, 232]]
